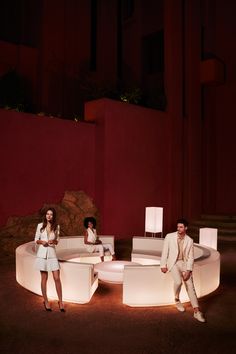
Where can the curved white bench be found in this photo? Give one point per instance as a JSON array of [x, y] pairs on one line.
[[79, 281], [146, 285], [73, 248]]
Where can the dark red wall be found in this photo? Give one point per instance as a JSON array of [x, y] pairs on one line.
[[132, 164], [219, 171], [123, 161], [41, 157], [199, 120], [64, 54]]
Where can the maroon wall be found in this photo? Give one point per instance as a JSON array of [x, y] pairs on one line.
[[146, 20], [41, 157], [123, 161], [24, 60], [132, 164], [198, 127], [64, 54], [219, 171]]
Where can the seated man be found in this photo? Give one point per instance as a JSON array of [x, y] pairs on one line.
[[177, 258], [92, 242]]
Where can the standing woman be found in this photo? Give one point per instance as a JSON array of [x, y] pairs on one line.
[[47, 236]]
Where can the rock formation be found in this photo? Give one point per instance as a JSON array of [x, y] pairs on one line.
[[72, 210]]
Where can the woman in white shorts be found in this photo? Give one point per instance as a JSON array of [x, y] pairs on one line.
[[92, 242], [47, 237]]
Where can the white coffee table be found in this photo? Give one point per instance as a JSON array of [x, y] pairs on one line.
[[112, 272]]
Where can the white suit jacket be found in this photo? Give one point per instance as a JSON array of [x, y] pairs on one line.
[[45, 252], [170, 251]]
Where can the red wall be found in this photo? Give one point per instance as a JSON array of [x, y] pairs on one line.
[[146, 20], [197, 130], [123, 161], [132, 164], [64, 54], [219, 171], [41, 157]]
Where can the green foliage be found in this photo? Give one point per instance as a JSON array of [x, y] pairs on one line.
[[132, 95], [13, 91]]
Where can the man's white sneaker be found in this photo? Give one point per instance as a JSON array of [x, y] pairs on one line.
[[179, 306], [199, 316]]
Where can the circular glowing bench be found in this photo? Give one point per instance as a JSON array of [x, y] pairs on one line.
[[79, 282], [72, 248], [112, 272], [146, 285]]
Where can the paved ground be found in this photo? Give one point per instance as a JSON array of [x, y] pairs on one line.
[[105, 325]]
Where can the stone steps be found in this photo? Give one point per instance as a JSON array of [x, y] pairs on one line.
[[226, 225]]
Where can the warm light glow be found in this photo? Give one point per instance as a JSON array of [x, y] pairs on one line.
[[145, 261], [112, 272], [143, 284], [153, 219], [208, 237], [146, 285], [78, 279], [85, 259]]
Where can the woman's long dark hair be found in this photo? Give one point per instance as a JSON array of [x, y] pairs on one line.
[[54, 225]]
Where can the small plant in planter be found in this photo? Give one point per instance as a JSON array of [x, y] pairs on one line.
[[132, 95]]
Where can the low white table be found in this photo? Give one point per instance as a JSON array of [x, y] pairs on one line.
[[112, 272]]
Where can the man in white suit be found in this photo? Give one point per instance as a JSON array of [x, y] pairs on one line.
[[177, 258]]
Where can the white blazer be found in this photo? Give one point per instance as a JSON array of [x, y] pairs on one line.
[[170, 251], [49, 251]]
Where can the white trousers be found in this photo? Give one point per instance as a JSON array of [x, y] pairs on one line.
[[104, 247], [177, 275]]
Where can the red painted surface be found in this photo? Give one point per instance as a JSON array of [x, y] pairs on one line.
[[122, 161], [132, 164], [41, 157], [219, 171], [193, 168]]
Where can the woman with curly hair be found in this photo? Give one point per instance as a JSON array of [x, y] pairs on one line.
[[92, 242]]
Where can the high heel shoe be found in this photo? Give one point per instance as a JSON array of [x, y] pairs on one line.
[[61, 308], [47, 308]]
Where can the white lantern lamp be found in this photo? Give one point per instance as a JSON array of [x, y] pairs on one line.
[[153, 220], [208, 237]]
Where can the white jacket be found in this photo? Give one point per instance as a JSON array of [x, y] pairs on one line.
[[49, 251], [170, 251]]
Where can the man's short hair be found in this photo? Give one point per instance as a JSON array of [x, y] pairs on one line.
[[182, 221]]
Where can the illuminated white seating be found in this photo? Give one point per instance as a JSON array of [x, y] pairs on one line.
[[112, 272], [146, 285], [146, 250], [143, 285], [73, 248], [79, 281]]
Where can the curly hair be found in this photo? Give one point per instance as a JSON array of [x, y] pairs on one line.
[[89, 219]]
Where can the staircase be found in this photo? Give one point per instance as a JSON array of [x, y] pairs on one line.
[[226, 225]]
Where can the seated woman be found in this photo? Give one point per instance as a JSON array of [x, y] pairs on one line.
[[92, 242]]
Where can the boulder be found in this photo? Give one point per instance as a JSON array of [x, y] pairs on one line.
[[71, 211]]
